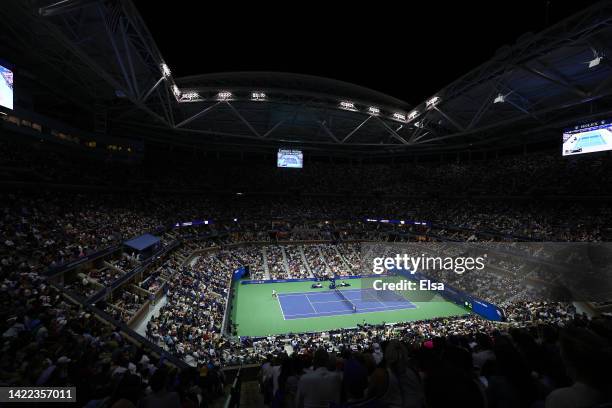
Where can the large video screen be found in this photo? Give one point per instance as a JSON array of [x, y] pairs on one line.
[[6, 87], [293, 159], [589, 138]]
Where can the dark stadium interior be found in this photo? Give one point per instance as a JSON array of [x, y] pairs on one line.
[[193, 205]]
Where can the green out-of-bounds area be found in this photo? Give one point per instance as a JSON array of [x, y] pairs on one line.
[[256, 313]]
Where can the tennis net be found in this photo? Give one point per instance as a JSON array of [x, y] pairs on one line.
[[343, 297]]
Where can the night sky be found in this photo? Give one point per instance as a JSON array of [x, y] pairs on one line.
[[409, 50]]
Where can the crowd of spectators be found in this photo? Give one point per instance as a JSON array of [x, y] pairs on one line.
[[50, 229], [253, 257], [276, 262], [314, 257], [296, 262], [463, 362], [53, 228], [153, 283], [49, 341], [541, 172], [189, 324], [124, 304], [46, 230], [287, 261]]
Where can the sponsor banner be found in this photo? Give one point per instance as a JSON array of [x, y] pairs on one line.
[[193, 223], [256, 282], [338, 278], [485, 309]]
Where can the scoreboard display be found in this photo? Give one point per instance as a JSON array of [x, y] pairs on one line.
[[6, 87], [293, 159], [588, 138]]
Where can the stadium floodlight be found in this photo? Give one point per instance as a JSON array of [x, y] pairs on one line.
[[347, 105], [258, 96], [190, 96], [399, 116], [165, 70], [413, 114], [500, 98], [432, 102], [597, 57], [595, 62], [176, 91], [374, 110], [224, 95]]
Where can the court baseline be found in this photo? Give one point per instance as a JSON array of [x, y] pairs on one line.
[[318, 304]]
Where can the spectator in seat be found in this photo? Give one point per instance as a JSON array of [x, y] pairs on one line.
[[588, 358], [160, 396], [319, 387], [397, 383]]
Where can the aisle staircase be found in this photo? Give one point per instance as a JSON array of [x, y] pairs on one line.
[[310, 274]]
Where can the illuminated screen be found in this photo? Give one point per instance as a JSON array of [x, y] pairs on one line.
[[590, 138], [6, 87], [293, 159]]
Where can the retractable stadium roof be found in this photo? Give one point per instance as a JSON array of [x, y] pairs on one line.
[[103, 54]]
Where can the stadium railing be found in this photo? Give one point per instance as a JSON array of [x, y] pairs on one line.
[[233, 399]]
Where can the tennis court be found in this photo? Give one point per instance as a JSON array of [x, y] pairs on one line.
[[339, 302], [256, 312], [590, 141]]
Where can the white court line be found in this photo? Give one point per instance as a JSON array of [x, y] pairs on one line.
[[281, 306], [401, 299], [283, 311], [409, 304], [361, 311], [321, 314], [298, 294], [361, 300], [376, 300], [318, 293], [329, 301], [311, 306]]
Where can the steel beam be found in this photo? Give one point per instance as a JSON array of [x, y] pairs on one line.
[[197, 115], [392, 132], [246, 122], [352, 132], [555, 81]]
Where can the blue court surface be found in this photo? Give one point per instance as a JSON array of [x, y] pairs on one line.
[[329, 303], [590, 141]]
